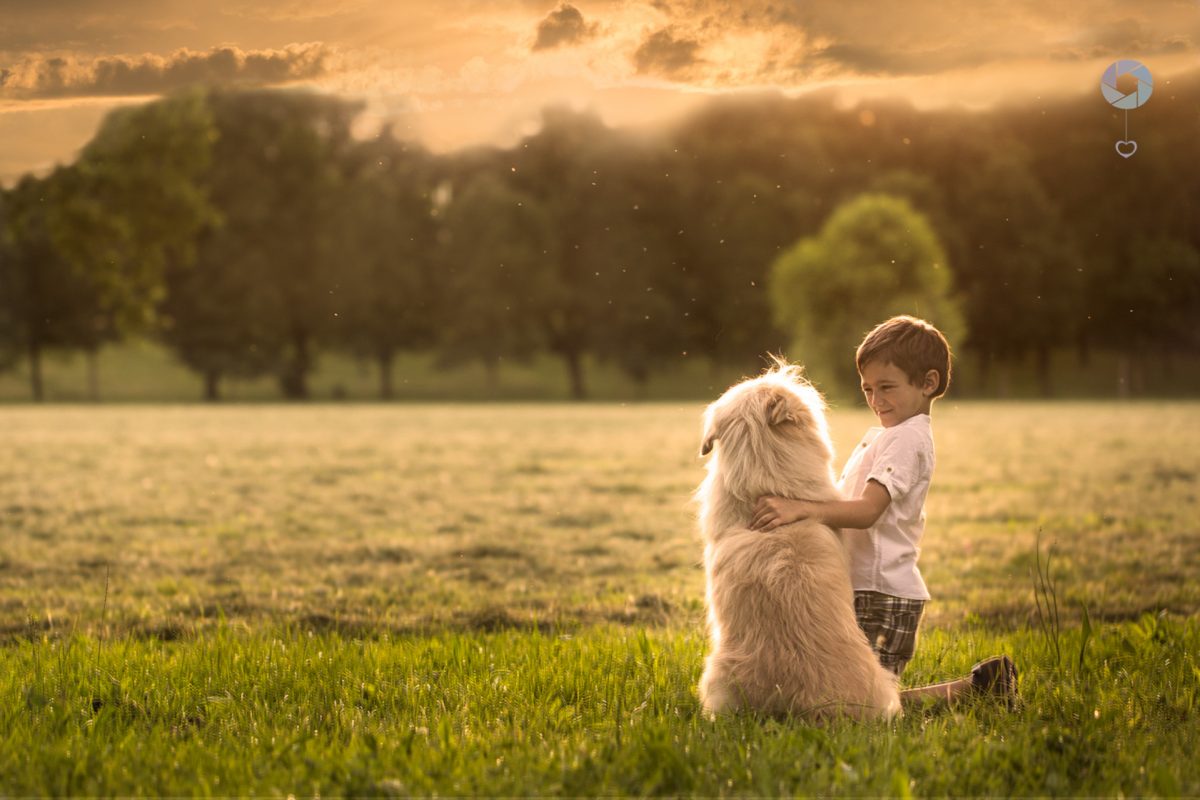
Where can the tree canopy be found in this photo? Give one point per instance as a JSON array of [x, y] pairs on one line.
[[252, 230], [874, 258]]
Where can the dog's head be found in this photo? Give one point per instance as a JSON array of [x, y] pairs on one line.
[[777, 411]]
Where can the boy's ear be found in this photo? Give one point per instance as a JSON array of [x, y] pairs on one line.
[[930, 384]]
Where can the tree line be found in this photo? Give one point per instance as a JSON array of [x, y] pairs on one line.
[[249, 231]]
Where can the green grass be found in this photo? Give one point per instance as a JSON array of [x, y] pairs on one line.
[[507, 600], [605, 711]]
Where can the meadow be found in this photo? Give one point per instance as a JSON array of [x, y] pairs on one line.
[[507, 600]]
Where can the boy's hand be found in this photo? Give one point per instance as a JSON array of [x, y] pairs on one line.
[[770, 512]]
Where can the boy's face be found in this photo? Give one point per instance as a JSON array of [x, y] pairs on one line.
[[892, 396]]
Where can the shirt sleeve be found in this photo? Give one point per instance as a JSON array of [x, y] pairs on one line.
[[898, 463]]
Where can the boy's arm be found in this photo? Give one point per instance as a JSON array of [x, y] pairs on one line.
[[770, 512]]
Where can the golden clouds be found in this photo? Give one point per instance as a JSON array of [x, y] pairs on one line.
[[565, 25], [791, 44], [60, 76], [473, 71], [666, 53]]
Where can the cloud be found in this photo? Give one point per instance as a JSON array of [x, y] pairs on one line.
[[880, 61], [564, 25], [796, 42], [663, 53], [291, 10], [59, 76]]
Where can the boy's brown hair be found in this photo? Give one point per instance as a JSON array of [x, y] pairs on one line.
[[913, 345]]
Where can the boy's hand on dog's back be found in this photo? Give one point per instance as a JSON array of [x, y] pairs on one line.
[[770, 512], [861, 513]]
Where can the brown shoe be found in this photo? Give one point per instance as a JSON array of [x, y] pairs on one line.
[[996, 677]]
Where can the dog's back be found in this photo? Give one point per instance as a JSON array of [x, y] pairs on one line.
[[784, 639]]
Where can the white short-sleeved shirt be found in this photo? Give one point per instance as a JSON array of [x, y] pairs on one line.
[[883, 558]]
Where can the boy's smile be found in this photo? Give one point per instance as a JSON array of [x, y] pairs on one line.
[[892, 396]]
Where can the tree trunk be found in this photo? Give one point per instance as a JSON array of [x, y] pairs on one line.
[[985, 373], [385, 376], [641, 382], [1042, 356], [491, 375], [35, 371], [212, 386], [575, 372], [1124, 377], [293, 381], [93, 374], [1003, 369], [1137, 374]]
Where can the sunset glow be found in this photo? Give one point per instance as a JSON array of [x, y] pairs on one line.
[[477, 71]]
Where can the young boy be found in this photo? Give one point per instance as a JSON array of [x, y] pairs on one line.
[[904, 365]]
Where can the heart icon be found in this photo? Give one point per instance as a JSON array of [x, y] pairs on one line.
[[1130, 145]]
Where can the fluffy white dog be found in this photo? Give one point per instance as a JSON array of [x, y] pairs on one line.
[[780, 608]]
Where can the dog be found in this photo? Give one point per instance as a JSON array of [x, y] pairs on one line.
[[783, 638]]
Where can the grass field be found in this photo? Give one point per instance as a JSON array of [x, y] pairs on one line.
[[507, 600]]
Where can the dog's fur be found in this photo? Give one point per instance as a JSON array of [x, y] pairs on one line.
[[784, 639]]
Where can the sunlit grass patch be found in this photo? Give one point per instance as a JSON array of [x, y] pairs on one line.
[[409, 515], [598, 710]]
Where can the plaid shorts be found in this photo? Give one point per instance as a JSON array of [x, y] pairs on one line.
[[890, 624]]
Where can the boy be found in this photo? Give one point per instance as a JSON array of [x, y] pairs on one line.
[[904, 365]]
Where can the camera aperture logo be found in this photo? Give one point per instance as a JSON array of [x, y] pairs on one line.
[[1133, 94]]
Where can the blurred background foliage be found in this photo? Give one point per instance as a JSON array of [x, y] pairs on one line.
[[251, 235]]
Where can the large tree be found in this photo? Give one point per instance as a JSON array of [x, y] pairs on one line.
[[9, 323], [612, 286], [564, 167], [1152, 306], [638, 284], [729, 231], [1021, 278], [45, 302], [389, 286], [68, 279], [567, 242], [875, 257], [97, 298], [494, 250], [218, 317], [138, 203], [748, 177], [86, 245], [266, 281]]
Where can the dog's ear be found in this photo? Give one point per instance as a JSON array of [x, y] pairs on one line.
[[779, 409], [709, 433]]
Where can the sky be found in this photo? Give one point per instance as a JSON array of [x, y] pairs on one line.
[[455, 73]]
